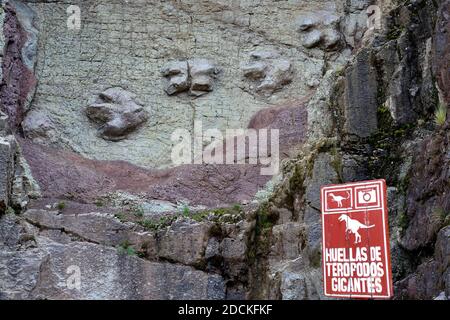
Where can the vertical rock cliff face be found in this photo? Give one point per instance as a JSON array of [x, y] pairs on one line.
[[381, 125], [91, 206], [18, 60]]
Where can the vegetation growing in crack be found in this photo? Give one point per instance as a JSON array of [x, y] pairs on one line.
[[265, 219], [186, 211], [139, 212], [337, 163], [156, 224], [99, 203], [259, 247], [295, 184], [120, 216], [385, 146], [440, 114], [126, 248], [224, 215], [61, 206], [220, 215]]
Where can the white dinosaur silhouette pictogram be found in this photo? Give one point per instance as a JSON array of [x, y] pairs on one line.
[[353, 226], [339, 199]]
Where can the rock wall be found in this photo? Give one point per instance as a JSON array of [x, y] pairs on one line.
[[382, 125], [80, 109], [19, 59], [129, 45]]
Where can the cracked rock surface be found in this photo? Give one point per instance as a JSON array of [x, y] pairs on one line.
[[91, 206]]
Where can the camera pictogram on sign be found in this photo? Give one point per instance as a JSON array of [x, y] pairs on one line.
[[368, 196]]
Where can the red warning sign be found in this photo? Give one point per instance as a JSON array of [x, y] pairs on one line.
[[356, 255]]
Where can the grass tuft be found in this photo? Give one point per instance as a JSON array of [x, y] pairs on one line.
[[440, 115], [126, 248], [61, 205]]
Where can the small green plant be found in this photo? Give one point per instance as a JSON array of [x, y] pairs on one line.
[[61, 205], [186, 211], [237, 207], [141, 254], [440, 115], [227, 214], [99, 203], [166, 221], [120, 216], [266, 219], [199, 216], [10, 210], [139, 212], [126, 248], [153, 225], [148, 224]]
